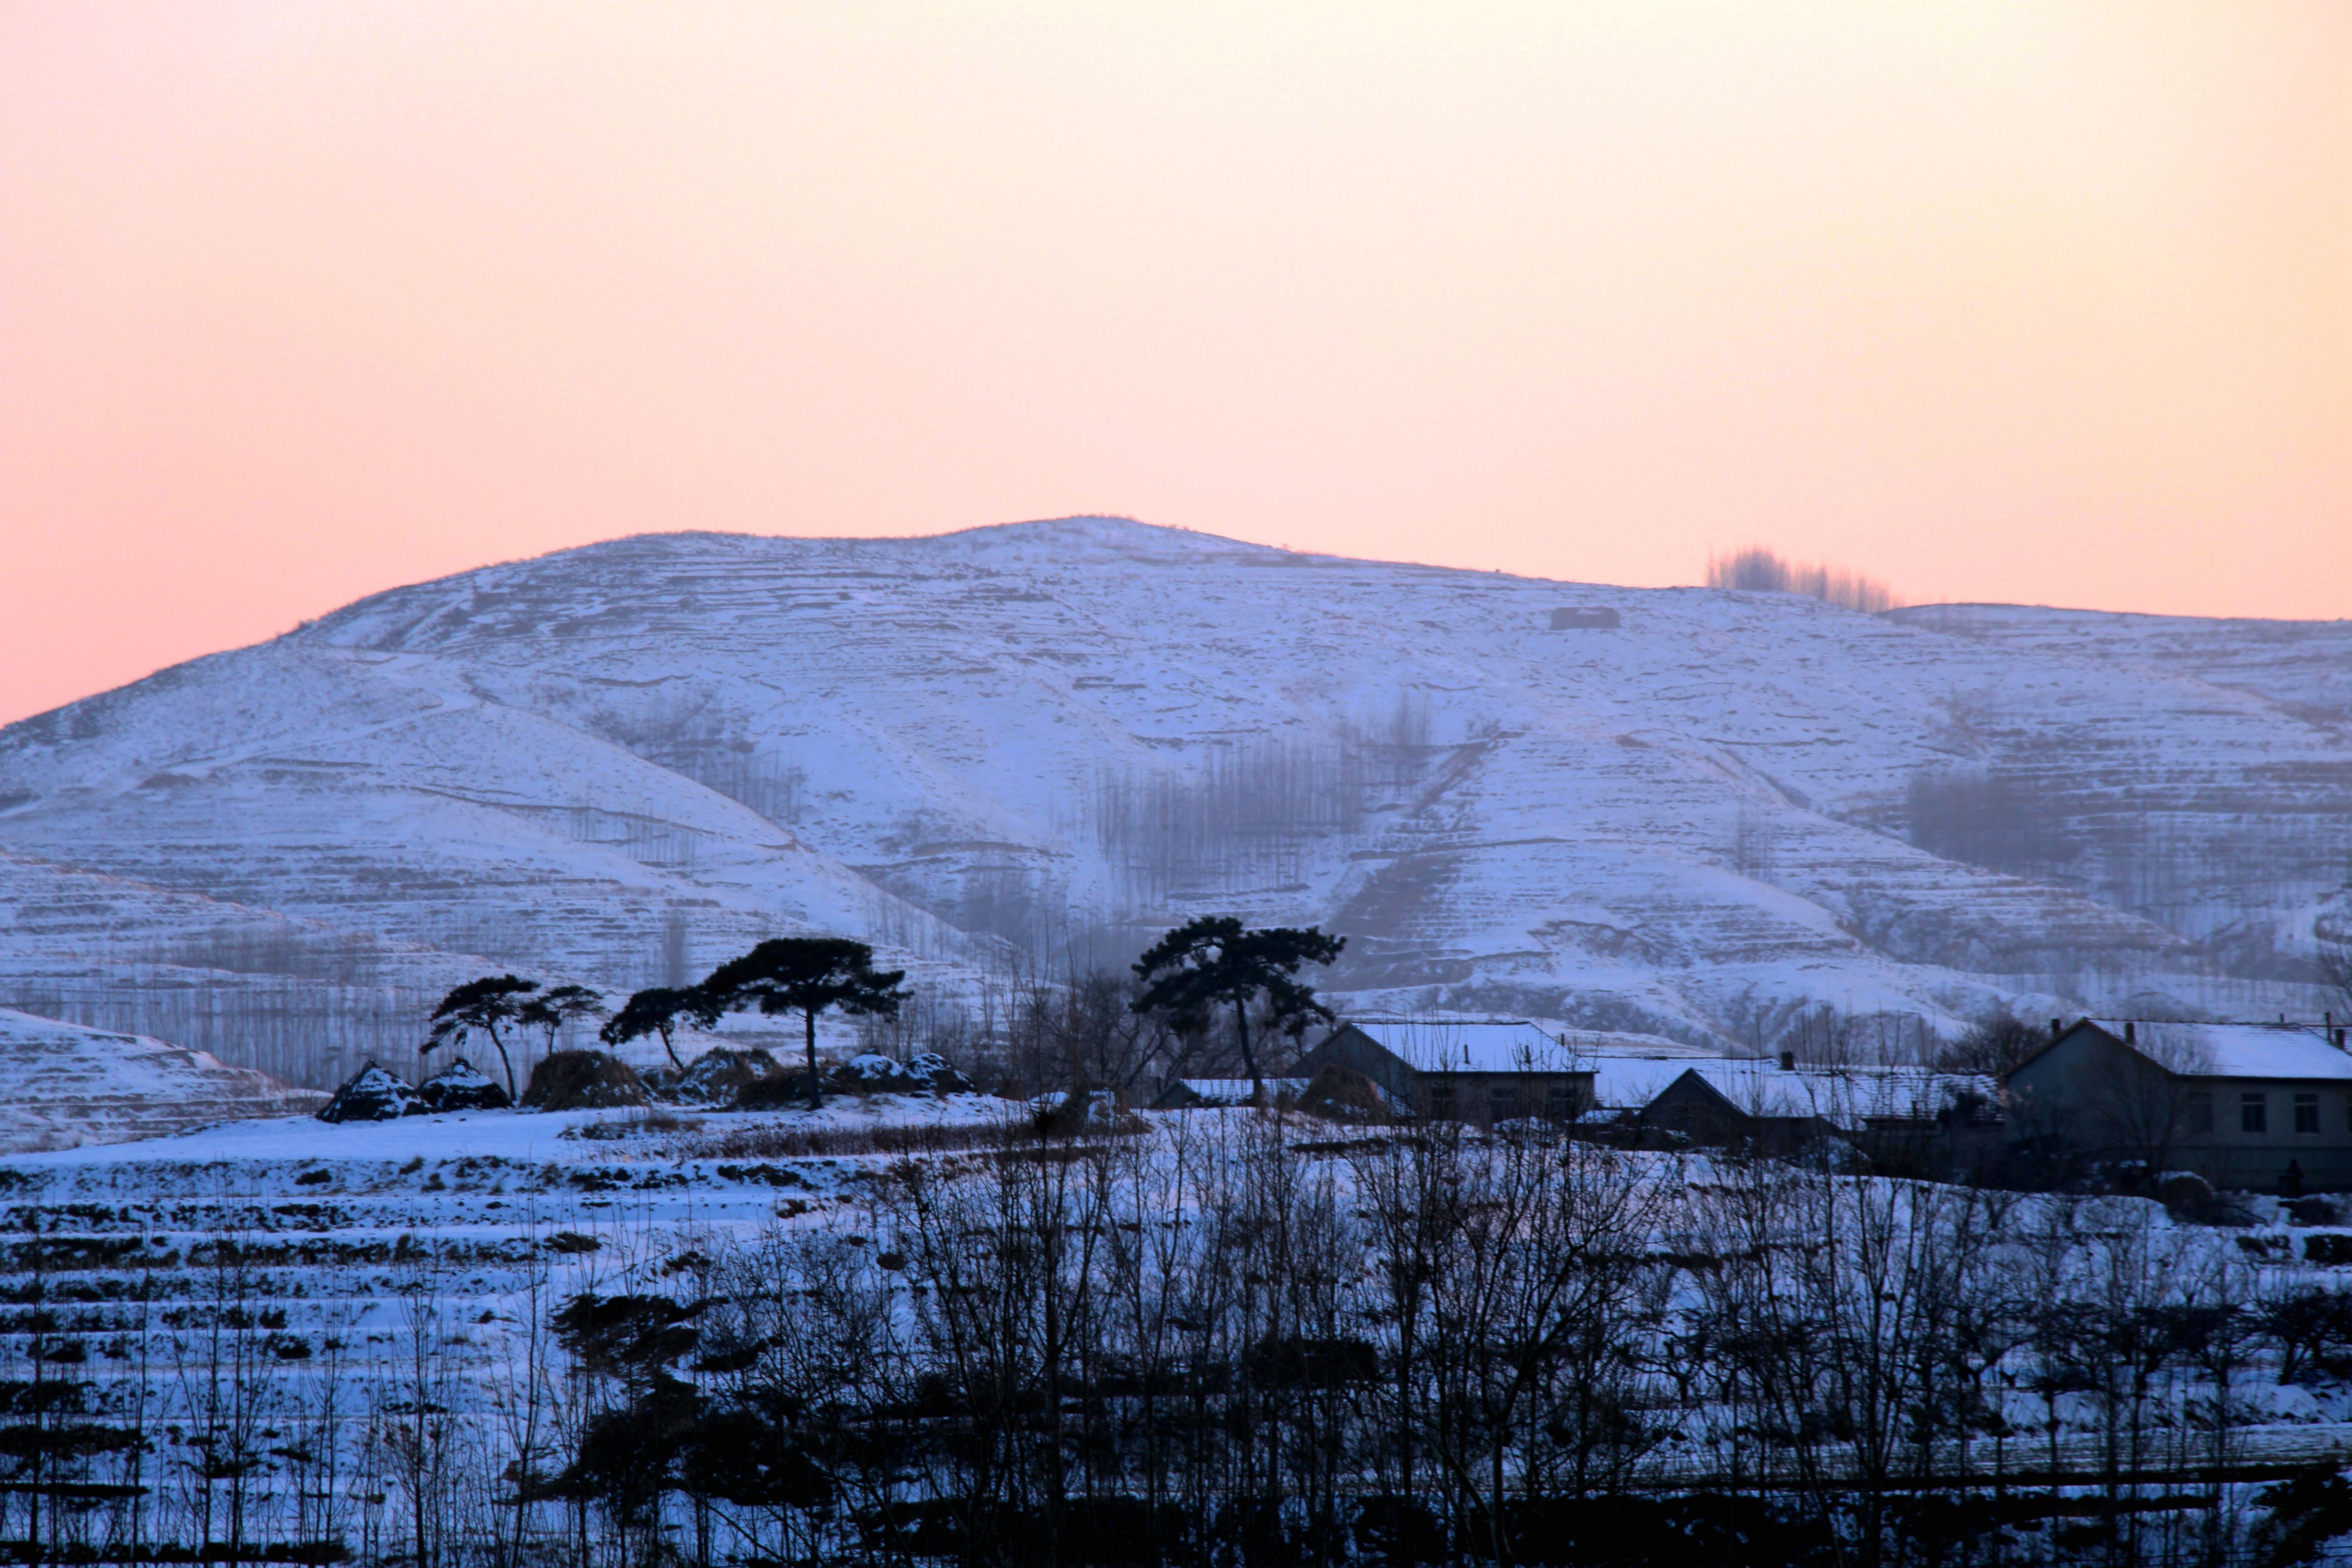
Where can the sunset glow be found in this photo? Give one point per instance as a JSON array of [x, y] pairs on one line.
[[2048, 303]]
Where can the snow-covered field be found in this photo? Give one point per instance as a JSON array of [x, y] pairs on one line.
[[333, 1287], [335, 1215]]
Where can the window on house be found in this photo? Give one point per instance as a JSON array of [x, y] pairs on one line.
[[2200, 1117], [1503, 1104], [2254, 1113], [1560, 1103], [2306, 1114], [1441, 1100]]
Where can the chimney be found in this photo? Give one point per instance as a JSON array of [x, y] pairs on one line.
[[2130, 1035], [1788, 1061], [2054, 1030], [2339, 1040]]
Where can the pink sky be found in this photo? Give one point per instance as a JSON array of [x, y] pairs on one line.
[[2044, 302]]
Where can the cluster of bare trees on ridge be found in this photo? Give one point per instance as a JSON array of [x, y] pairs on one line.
[[1758, 570]]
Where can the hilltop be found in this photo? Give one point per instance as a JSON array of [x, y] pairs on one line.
[[1702, 813]]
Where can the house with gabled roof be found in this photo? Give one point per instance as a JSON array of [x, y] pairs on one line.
[[1759, 1104], [1777, 1106], [2254, 1107], [1483, 1072]]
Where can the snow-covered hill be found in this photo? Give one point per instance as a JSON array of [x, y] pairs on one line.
[[622, 762], [63, 1086]]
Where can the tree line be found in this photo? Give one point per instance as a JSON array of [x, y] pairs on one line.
[[808, 975], [1211, 968]]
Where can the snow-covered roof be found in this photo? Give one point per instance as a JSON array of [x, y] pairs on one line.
[[1912, 1093], [1236, 1090], [1844, 1097], [2233, 1050], [1594, 1043], [1764, 1088], [1438, 1046], [1629, 1083]]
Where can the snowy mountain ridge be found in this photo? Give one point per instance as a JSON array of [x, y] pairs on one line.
[[621, 762]]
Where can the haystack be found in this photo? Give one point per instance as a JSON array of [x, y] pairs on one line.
[[462, 1085], [1063, 1115], [373, 1094], [930, 1071], [868, 1072], [715, 1077], [583, 1080]]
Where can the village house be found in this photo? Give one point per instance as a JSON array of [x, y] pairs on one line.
[[2252, 1107], [1905, 1117], [1481, 1073], [1755, 1104], [1498, 1071]]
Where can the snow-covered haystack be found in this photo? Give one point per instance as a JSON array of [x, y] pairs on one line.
[[871, 1073], [715, 1077], [868, 1072], [930, 1071], [1060, 1114], [583, 1080], [373, 1094], [925, 1071], [462, 1085], [62, 1085]]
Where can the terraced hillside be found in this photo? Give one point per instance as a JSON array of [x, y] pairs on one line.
[[1702, 814]]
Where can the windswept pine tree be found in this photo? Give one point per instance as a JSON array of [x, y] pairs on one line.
[[807, 974], [552, 1009], [489, 1004], [1215, 961], [661, 1010]]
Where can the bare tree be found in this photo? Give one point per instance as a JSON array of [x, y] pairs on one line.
[[1992, 1045], [523, 1399], [2139, 1099], [417, 1424], [1084, 1032]]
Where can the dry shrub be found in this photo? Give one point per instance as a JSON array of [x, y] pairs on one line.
[[656, 1122], [776, 1141], [779, 1141]]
